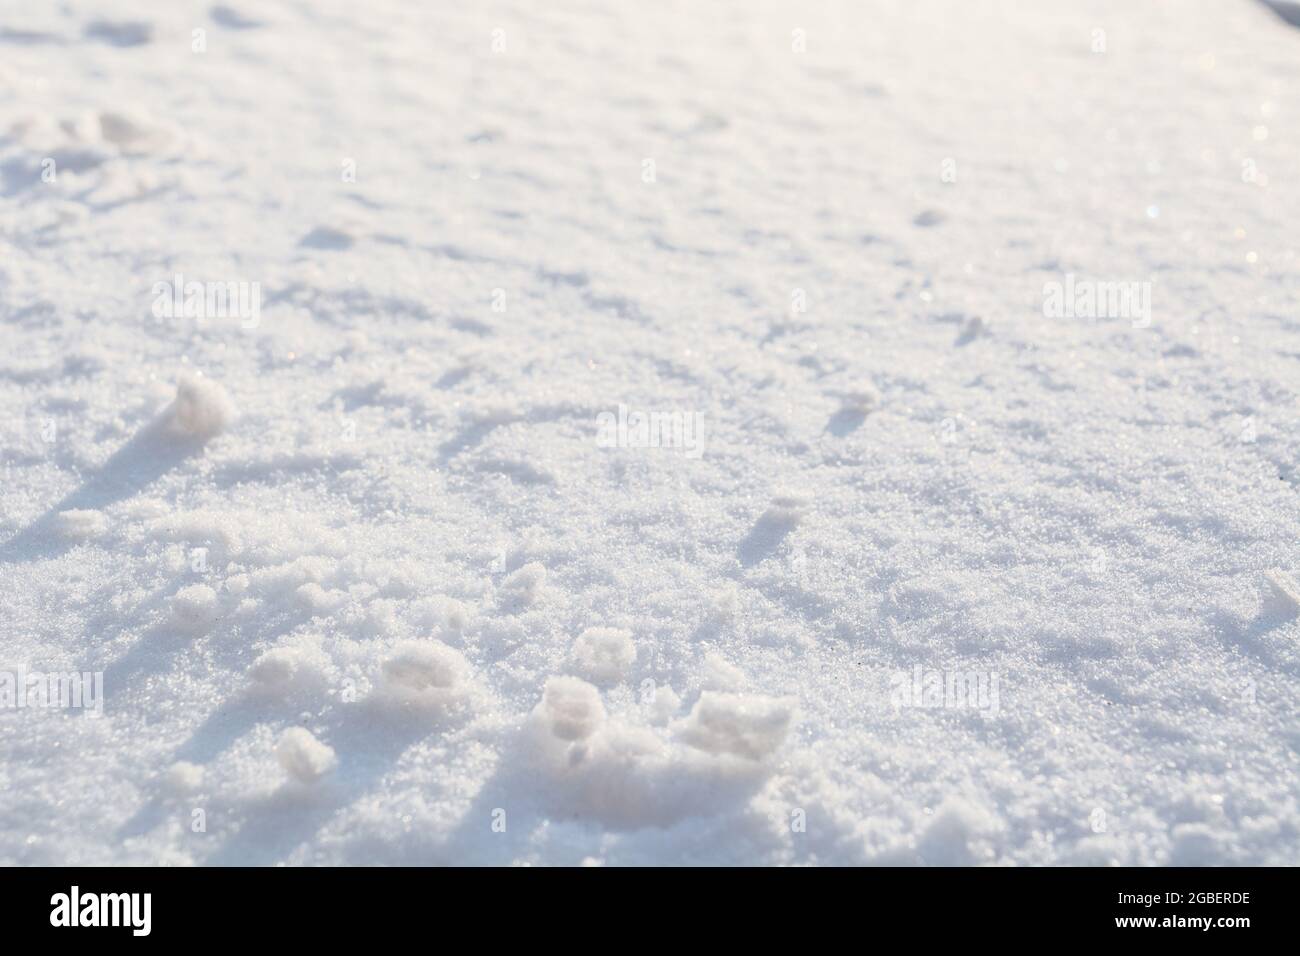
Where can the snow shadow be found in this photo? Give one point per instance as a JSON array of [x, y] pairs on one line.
[[763, 540], [1260, 637], [141, 461], [846, 421], [613, 797], [29, 37], [369, 743], [120, 33], [1288, 10]]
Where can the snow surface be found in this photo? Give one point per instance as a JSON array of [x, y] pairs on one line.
[[403, 607]]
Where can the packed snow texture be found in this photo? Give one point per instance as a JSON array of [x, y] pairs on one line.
[[312, 310]]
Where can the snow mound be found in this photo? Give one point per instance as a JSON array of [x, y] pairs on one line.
[[956, 835], [786, 510], [304, 758], [747, 725], [219, 532], [445, 613], [195, 608], [631, 776], [570, 710], [722, 605], [132, 133], [523, 587], [284, 669], [183, 778], [718, 673], [662, 703], [201, 409], [604, 654], [426, 675], [862, 400], [316, 600]]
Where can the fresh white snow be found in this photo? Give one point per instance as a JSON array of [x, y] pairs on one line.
[[626, 433]]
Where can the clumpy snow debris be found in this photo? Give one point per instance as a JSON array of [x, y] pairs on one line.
[[957, 511], [201, 409], [785, 513], [132, 133], [195, 607], [522, 588], [570, 710], [628, 775], [863, 400], [184, 778], [426, 675], [604, 654], [957, 834], [424, 667], [304, 758], [717, 673], [284, 670], [740, 724], [662, 704]]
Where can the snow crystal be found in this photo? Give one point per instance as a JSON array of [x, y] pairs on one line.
[[304, 757], [603, 654], [747, 725]]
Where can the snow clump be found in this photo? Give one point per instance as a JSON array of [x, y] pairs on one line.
[[201, 409], [746, 725], [303, 757], [604, 654]]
